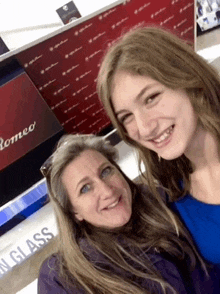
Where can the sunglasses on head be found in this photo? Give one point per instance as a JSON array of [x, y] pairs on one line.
[[46, 165]]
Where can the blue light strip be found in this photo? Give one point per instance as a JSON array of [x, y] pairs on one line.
[[34, 199]]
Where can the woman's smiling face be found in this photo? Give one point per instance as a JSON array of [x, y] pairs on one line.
[[97, 190], [157, 117]]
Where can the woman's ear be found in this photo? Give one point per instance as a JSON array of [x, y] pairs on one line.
[[78, 216]]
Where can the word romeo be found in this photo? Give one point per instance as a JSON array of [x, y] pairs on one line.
[[6, 143]]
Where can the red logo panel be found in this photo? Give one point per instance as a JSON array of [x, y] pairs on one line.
[[64, 68], [25, 119]]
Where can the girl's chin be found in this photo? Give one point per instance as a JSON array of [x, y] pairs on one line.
[[170, 156]]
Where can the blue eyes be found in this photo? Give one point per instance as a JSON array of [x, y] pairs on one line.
[[104, 174], [85, 189], [106, 171]]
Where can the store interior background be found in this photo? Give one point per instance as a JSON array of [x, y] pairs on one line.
[[207, 43], [22, 22]]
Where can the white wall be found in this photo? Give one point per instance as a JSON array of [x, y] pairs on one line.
[[24, 21], [31, 288]]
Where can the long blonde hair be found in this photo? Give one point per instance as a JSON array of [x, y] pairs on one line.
[[149, 228], [159, 54]]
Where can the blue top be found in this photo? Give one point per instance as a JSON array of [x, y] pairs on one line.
[[203, 222]]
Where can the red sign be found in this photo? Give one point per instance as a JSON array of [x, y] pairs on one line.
[[64, 68], [25, 119]]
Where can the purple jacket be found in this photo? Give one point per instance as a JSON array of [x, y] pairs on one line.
[[176, 273]]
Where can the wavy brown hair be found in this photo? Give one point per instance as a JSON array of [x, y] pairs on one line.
[[161, 55], [150, 228]]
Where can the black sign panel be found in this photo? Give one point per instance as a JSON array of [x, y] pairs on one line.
[[68, 12]]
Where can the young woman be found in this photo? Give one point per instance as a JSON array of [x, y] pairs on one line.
[[164, 100], [114, 237]]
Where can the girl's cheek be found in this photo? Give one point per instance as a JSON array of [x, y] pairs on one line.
[[132, 132]]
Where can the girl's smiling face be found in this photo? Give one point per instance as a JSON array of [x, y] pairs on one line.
[[159, 118], [97, 190]]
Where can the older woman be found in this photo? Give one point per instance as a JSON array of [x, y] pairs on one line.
[[114, 236], [164, 100]]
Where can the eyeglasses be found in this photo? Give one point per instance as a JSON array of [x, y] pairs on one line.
[[46, 165], [62, 144]]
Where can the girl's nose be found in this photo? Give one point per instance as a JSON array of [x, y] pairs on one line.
[[146, 126]]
